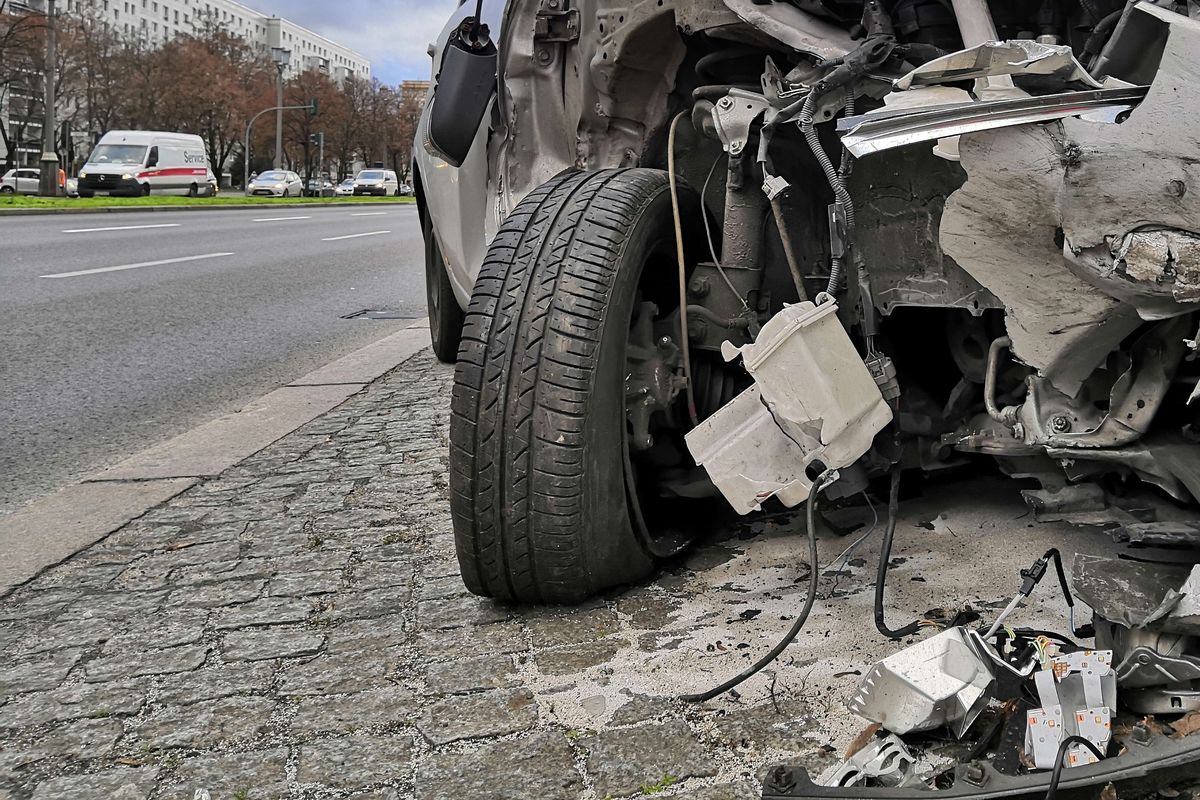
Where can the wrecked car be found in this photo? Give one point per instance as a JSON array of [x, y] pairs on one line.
[[688, 247], [769, 250]]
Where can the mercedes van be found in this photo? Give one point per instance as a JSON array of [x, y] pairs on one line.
[[144, 162]]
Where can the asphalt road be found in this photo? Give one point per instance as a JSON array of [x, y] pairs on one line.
[[118, 331]]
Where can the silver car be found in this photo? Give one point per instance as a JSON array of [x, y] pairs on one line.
[[20, 181], [276, 183]]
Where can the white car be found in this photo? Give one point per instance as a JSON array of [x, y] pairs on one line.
[[345, 188], [20, 181], [276, 183], [382, 182]]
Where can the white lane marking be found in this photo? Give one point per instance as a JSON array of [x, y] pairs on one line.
[[136, 266], [279, 219], [123, 228], [354, 236], [370, 214]]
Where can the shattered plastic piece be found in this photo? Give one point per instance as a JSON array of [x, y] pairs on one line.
[[885, 760], [1012, 57], [1133, 593], [940, 681], [813, 403]]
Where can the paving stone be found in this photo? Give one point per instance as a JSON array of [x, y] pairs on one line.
[[212, 595], [382, 574], [30, 604], [459, 611], [539, 766], [223, 572], [83, 739], [116, 784], [305, 584], [578, 627], [500, 637], [167, 629], [369, 635], [186, 553], [259, 775], [471, 675], [473, 716], [622, 762], [648, 609], [206, 724], [261, 645], [336, 673], [350, 712], [765, 727], [355, 762], [370, 604], [137, 663], [641, 708], [445, 586], [726, 791], [267, 611], [213, 683], [39, 674], [575, 658], [74, 702]]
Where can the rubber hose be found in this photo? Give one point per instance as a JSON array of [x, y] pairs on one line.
[[885, 555], [835, 182], [801, 619]]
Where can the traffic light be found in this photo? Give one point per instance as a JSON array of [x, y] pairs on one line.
[[312, 107], [315, 140]]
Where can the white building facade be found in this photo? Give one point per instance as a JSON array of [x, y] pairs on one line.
[[158, 21]]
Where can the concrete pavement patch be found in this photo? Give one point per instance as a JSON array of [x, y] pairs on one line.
[[57, 527]]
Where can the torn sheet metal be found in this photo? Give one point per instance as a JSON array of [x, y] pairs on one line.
[[1013, 57], [885, 761], [885, 130], [1072, 187], [814, 403], [1135, 594], [797, 29], [940, 681]]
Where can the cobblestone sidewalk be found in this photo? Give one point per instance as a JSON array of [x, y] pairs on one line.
[[297, 629]]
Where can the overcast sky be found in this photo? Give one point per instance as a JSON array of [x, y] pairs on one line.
[[393, 34]]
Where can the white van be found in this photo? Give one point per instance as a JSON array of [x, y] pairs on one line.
[[144, 162]]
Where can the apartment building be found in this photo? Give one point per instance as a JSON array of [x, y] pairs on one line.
[[157, 21]]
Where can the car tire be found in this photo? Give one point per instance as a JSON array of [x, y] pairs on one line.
[[286, 193], [194, 191], [87, 195], [7, 190], [145, 190], [547, 502], [445, 314]]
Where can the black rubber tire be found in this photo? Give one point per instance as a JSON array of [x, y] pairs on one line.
[[537, 458], [194, 191], [145, 190], [7, 190], [287, 193], [445, 314], [87, 195]]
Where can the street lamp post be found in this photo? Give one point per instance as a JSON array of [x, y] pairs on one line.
[[48, 180], [281, 56]]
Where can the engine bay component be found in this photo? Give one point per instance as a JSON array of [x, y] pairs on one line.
[[814, 406], [1078, 693], [942, 680]]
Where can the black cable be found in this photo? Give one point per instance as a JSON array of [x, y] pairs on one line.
[[802, 618], [884, 556], [1056, 776], [478, 21]]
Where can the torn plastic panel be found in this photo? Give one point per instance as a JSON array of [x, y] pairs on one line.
[[885, 760], [1023, 57], [814, 406]]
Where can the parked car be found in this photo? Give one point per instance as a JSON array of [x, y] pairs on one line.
[[382, 182], [406, 190], [20, 181], [134, 163], [276, 183], [318, 187], [345, 188]]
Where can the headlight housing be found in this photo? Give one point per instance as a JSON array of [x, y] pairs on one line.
[[83, 174], [127, 176], [279, 186]]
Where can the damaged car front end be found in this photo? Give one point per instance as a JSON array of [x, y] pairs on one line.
[[765, 250]]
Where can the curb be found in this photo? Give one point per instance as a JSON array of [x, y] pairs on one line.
[[43, 212], [53, 529]]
